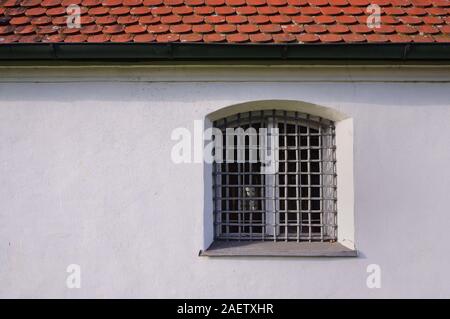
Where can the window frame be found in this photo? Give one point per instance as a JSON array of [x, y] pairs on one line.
[[345, 244]]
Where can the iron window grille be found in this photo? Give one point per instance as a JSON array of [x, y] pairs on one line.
[[296, 202]]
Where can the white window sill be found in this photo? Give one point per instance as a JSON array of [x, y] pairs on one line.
[[276, 249]]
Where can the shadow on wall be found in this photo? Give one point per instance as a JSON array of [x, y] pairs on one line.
[[219, 92]]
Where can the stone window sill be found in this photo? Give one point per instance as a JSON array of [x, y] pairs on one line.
[[276, 249]]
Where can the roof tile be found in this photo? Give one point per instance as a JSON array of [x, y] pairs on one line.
[[121, 38], [50, 3], [180, 28], [202, 28], [315, 28], [411, 20], [266, 10], [150, 3], [214, 37], [233, 21], [235, 3], [104, 20], [15, 11], [132, 3], [173, 2], [422, 38], [384, 29], [48, 29], [277, 3], [191, 37], [91, 29], [270, 28], [146, 37], [126, 20], [204, 11], [246, 10], [215, 19], [25, 29], [225, 10], [53, 38], [432, 20], [171, 19], [306, 38], [247, 28], [330, 38], [19, 20], [338, 3], [256, 3], [237, 38], [9, 38], [290, 11], [332, 11], [280, 19], [283, 38], [258, 19], [423, 29], [193, 19], [442, 38], [66, 3], [236, 19], [360, 28], [43, 20], [338, 28], [98, 38], [292, 28], [182, 10], [140, 11], [194, 3], [119, 10], [376, 38], [137, 28], [158, 28], [96, 11], [6, 29], [75, 38], [318, 3], [399, 38], [113, 29], [215, 3], [325, 19], [346, 19], [149, 19], [30, 3], [405, 29], [302, 19], [260, 38], [353, 38]]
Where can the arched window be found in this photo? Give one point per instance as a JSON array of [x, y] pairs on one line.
[[277, 178]]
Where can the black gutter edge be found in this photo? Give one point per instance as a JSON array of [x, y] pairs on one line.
[[224, 51]]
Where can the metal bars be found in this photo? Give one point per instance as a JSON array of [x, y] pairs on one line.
[[297, 201]]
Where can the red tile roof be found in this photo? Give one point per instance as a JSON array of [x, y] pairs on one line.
[[234, 21]]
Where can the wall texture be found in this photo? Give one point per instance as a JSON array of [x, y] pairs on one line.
[[86, 178]]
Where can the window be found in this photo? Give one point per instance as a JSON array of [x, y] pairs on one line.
[[296, 201]]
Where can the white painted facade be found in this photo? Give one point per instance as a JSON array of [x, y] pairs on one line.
[[86, 178]]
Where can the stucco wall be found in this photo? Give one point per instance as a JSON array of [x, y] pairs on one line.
[[86, 178]]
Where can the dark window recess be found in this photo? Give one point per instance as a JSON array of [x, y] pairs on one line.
[[296, 202]]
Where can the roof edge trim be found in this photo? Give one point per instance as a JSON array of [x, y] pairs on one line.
[[344, 52]]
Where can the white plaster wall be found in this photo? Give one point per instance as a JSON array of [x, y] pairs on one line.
[[86, 178]]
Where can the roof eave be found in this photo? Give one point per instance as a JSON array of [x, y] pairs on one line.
[[338, 52]]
